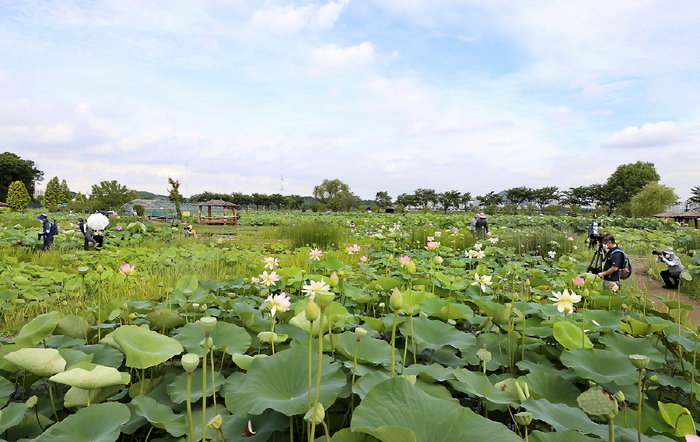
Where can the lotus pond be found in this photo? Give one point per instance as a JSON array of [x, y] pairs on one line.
[[402, 329]]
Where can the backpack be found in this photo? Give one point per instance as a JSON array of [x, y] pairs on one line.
[[626, 269], [54, 228]]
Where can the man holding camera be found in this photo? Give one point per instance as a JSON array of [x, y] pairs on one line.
[[613, 263], [671, 276]]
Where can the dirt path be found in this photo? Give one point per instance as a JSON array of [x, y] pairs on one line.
[[653, 287]]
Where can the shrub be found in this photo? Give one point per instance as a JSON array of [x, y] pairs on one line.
[[321, 235]]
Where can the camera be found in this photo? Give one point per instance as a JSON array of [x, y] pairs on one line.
[[656, 252], [595, 239]]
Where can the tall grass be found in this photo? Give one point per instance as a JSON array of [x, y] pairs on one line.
[[321, 235]]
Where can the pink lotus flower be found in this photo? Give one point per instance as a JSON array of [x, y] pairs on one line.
[[405, 260], [578, 281], [363, 258], [315, 254], [432, 245], [279, 303], [692, 438], [575, 247], [455, 229], [352, 249], [438, 259], [270, 279], [571, 238], [120, 228], [127, 269]]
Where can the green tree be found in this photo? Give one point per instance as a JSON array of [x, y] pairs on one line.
[[382, 199], [627, 181], [295, 202], [449, 199], [652, 199], [465, 200], [110, 195], [335, 194], [519, 195], [490, 199], [426, 197], [278, 200], [17, 196], [174, 196], [695, 195], [68, 196], [406, 200], [545, 195], [13, 168], [54, 194], [261, 200]]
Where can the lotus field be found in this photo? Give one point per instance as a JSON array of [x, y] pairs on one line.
[[299, 327]]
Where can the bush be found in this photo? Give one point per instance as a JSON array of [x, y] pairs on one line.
[[321, 235]]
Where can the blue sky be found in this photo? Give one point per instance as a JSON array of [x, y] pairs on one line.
[[385, 95]]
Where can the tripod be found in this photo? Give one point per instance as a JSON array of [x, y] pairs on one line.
[[596, 265]]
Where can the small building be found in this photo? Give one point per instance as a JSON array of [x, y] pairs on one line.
[[689, 218], [217, 212]]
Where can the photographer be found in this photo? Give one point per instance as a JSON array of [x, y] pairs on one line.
[[613, 263], [671, 276]]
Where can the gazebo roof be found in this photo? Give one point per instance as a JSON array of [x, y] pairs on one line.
[[666, 215], [217, 203], [689, 214]]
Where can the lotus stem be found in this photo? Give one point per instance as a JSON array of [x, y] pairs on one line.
[[325, 428], [53, 404], [204, 387], [319, 367], [583, 328], [611, 430], [692, 376], [189, 406], [213, 382], [272, 333], [640, 403], [393, 344]]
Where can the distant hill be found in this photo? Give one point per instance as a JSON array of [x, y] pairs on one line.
[[151, 196]]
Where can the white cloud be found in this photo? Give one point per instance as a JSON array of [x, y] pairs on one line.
[[659, 134], [290, 19], [333, 58]]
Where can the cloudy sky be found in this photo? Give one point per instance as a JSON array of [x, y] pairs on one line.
[[385, 95]]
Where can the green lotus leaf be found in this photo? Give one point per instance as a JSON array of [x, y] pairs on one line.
[[38, 329], [264, 425], [12, 415], [478, 385], [268, 337], [444, 309], [627, 345], [277, 382], [165, 319], [640, 328], [227, 337], [431, 373], [555, 389], [570, 335], [161, 416], [98, 377], [187, 282], [686, 276], [361, 296], [109, 340], [385, 283], [395, 410], [562, 417], [364, 384], [561, 436], [102, 354], [244, 361], [97, 423], [145, 348], [678, 417], [40, 361], [76, 358], [6, 389], [74, 326], [412, 299], [369, 350], [78, 397], [434, 334], [177, 389], [600, 366]]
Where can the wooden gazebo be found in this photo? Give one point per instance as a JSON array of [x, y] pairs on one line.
[[685, 218], [229, 216]]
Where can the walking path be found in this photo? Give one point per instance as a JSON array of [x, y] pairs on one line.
[[653, 287]]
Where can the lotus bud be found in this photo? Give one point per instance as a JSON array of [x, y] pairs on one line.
[[483, 354], [524, 418], [333, 280], [203, 307], [396, 299], [619, 396], [215, 422], [189, 362], [411, 267], [316, 418], [31, 402], [311, 311], [639, 361], [438, 259], [208, 323], [324, 299], [360, 332]]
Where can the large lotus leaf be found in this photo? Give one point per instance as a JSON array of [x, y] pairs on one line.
[[76, 358], [431, 373], [98, 377], [38, 329], [562, 417], [102, 354], [177, 390], [411, 300], [688, 344], [495, 343], [570, 336], [244, 361], [444, 309], [360, 296], [627, 345], [165, 319], [679, 417], [347, 435], [12, 415], [369, 350], [227, 337], [364, 384], [561, 436], [380, 325], [40, 361], [395, 410], [145, 348], [636, 327], [264, 425], [78, 397], [384, 283], [96, 423], [608, 300], [187, 282], [280, 382], [434, 334], [600, 366], [161, 416], [6, 389], [478, 385], [74, 326], [555, 389]]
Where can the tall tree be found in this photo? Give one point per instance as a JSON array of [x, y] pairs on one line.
[[627, 181], [426, 197], [278, 200], [13, 168], [295, 202], [66, 191], [406, 200], [449, 199], [465, 200], [652, 199], [54, 195], [174, 196], [335, 194], [382, 199], [109, 195], [519, 195], [545, 195], [490, 199], [695, 195], [17, 196]]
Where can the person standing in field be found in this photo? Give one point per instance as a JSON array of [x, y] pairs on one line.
[[48, 231]]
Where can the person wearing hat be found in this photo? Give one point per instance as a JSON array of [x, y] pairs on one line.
[[189, 231], [481, 225], [48, 230], [671, 276], [473, 222], [593, 227]]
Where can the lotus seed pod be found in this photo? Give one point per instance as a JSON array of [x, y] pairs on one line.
[[208, 323], [324, 299], [619, 396], [311, 311], [360, 332], [483, 354], [639, 361], [396, 299], [83, 270], [318, 417], [215, 422], [598, 404], [333, 280], [523, 418], [189, 362]]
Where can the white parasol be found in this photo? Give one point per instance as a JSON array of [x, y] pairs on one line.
[[97, 221]]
